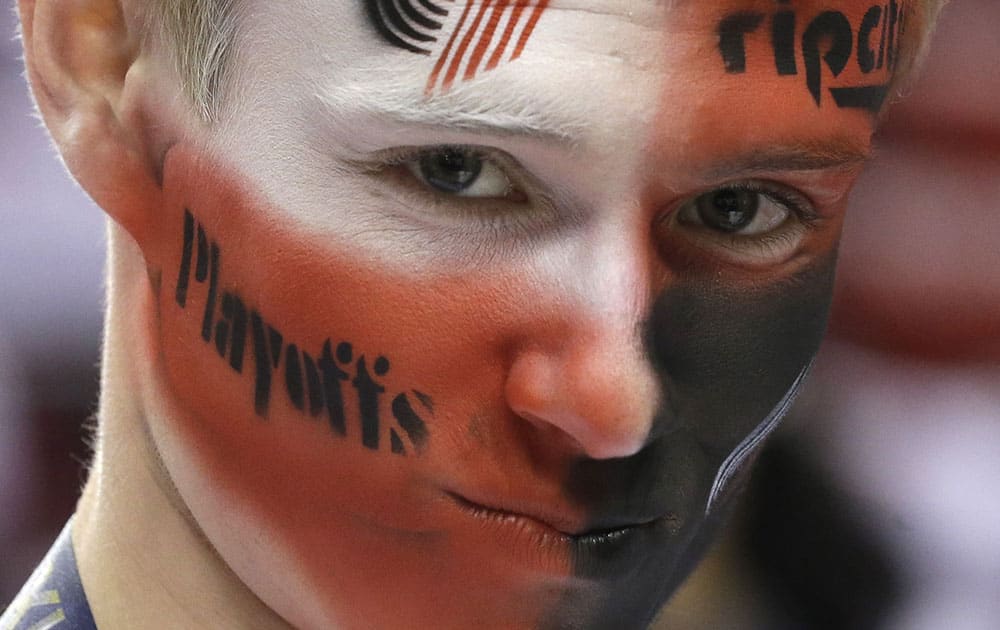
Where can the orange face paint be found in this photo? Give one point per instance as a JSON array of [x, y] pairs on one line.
[[355, 432], [370, 515], [844, 54]]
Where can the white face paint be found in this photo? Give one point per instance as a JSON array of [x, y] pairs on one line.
[[441, 298], [337, 101]]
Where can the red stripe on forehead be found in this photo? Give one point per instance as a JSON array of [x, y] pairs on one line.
[[456, 61], [532, 22], [471, 51], [485, 39], [507, 35], [432, 80]]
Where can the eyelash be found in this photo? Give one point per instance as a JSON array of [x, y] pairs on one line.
[[519, 219], [493, 221], [803, 219]]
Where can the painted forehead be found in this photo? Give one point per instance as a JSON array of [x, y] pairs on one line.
[[467, 39]]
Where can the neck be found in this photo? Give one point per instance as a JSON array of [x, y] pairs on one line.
[[140, 553]]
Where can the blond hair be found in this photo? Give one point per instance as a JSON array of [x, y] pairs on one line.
[[200, 34]]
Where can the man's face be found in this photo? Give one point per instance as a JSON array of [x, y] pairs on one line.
[[470, 315]]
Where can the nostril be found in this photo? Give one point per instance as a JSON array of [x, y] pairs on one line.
[[615, 441], [550, 436], [595, 434]]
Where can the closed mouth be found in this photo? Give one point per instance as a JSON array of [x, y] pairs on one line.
[[547, 526]]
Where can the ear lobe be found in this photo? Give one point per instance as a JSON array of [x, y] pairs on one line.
[[84, 67]]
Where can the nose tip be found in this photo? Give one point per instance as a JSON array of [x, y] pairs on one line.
[[603, 401]]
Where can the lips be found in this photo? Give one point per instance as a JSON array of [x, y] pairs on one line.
[[549, 524]]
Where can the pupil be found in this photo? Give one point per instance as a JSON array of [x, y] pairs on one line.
[[729, 210], [450, 170]]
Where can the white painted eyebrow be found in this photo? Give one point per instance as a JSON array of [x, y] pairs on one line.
[[468, 109]]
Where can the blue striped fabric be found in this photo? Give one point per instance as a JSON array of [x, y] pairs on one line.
[[53, 596]]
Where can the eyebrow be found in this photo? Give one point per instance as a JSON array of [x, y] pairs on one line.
[[491, 123], [822, 155], [468, 113]]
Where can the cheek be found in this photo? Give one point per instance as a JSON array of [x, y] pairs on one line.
[[728, 354], [325, 397], [732, 357], [286, 324]]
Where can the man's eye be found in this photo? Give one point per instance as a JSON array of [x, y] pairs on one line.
[[751, 224], [461, 172], [735, 211]]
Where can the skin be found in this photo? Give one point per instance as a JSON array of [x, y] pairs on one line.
[[583, 360]]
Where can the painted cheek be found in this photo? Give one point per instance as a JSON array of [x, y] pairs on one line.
[[728, 356], [730, 350], [728, 353], [331, 398]]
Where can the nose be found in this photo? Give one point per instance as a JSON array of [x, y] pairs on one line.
[[581, 370]]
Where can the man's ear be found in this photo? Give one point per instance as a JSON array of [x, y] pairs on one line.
[[84, 65]]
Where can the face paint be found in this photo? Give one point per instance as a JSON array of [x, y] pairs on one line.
[[729, 358], [304, 377], [483, 36], [725, 354], [287, 392], [827, 45], [339, 380]]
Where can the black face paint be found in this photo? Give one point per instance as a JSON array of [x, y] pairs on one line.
[[827, 44], [409, 420], [783, 40], [866, 55], [293, 378], [311, 386], [315, 387], [404, 25], [368, 398], [727, 357], [231, 331], [332, 377], [869, 97], [890, 46], [832, 29], [732, 31]]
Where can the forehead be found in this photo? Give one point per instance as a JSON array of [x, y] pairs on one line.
[[618, 77], [488, 49]]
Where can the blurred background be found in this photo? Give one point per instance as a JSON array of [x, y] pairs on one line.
[[51, 262], [875, 507]]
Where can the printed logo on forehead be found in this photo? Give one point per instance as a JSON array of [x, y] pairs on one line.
[[469, 37], [408, 24], [828, 40]]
